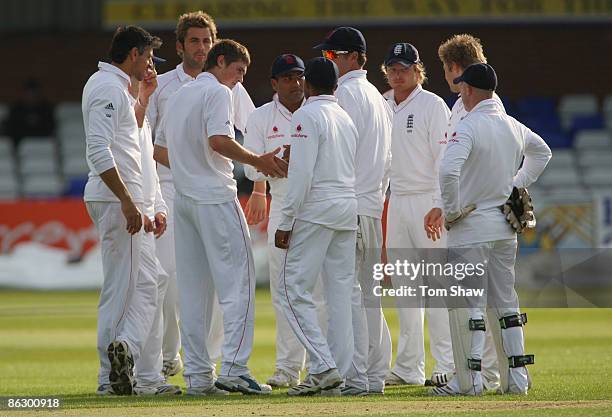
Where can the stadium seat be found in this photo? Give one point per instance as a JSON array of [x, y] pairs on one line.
[[598, 176], [559, 178], [542, 123], [562, 159], [592, 139], [75, 166], [595, 158], [38, 164], [6, 145], [68, 111], [592, 122], [7, 164], [42, 186], [37, 145], [571, 106], [536, 106], [556, 139], [9, 187]]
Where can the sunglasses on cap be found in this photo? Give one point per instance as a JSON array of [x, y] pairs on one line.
[[333, 54]]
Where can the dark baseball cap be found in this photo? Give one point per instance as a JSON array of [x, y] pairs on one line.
[[343, 39], [480, 76], [157, 60], [286, 63], [403, 53], [321, 73]]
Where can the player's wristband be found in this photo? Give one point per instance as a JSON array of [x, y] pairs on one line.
[[258, 193]]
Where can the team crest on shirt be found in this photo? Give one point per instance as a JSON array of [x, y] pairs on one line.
[[453, 137], [410, 123]]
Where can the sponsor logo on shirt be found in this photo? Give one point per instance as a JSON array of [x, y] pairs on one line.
[[275, 134], [109, 106], [453, 137], [298, 134]]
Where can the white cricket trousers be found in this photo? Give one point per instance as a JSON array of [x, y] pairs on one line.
[[148, 368], [165, 253], [129, 292], [373, 346], [315, 249], [499, 257], [290, 353], [213, 252], [405, 231]]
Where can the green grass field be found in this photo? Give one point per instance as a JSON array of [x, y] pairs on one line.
[[47, 348]]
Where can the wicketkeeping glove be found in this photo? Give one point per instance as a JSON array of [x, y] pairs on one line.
[[518, 210], [453, 219]]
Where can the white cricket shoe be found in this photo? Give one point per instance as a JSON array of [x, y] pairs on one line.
[[394, 379], [158, 389], [282, 379], [173, 367], [452, 388], [208, 391], [439, 379], [316, 383], [121, 375], [245, 384]]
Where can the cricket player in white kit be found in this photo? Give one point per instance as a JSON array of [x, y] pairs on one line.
[[419, 122], [318, 228], [213, 252], [114, 195], [478, 172], [268, 128], [148, 368], [457, 53], [196, 33], [371, 115]]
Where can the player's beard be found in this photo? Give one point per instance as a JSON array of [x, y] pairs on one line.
[[190, 62]]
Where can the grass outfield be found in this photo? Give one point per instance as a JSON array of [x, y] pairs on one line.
[[47, 348]]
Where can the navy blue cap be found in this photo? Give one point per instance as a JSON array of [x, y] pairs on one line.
[[157, 60], [403, 53], [286, 63], [343, 39], [480, 76], [321, 73]]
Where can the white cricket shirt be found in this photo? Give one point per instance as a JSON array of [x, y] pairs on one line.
[[153, 201], [419, 124], [200, 109], [321, 179], [111, 133], [372, 118], [480, 167], [167, 84], [268, 128]]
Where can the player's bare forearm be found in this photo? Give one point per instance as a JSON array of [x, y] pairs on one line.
[[231, 149], [132, 214], [268, 164], [160, 154], [113, 181]]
